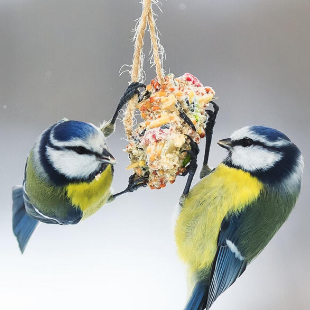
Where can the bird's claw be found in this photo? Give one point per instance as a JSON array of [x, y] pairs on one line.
[[184, 116], [194, 146], [192, 164], [136, 182], [209, 131], [211, 117], [216, 108], [193, 152], [192, 167], [132, 89]]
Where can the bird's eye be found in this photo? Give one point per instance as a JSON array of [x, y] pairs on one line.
[[247, 142], [80, 150]]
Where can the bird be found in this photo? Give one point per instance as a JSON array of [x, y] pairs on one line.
[[68, 175], [231, 214], [67, 178]]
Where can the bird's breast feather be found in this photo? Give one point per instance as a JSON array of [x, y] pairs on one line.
[[225, 191], [90, 196]]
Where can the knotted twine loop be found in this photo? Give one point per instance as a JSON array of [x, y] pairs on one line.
[[146, 18]]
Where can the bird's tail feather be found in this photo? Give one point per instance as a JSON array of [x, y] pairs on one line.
[[198, 299], [23, 224]]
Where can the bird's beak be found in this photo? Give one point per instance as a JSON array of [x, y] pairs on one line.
[[225, 143], [107, 157]]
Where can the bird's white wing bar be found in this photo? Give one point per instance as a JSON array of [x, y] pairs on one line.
[[229, 263], [234, 249], [45, 216]]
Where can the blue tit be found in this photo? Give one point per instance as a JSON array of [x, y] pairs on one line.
[[67, 178], [229, 217]]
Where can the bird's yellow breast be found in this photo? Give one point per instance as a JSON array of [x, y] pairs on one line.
[[223, 192], [90, 197]]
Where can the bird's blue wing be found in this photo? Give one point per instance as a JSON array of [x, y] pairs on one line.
[[199, 297], [227, 266], [23, 224], [229, 263]]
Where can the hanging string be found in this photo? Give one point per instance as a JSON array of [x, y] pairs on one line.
[[146, 18], [135, 71], [152, 25]]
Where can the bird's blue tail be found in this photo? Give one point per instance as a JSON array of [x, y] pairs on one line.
[[23, 224], [198, 299]]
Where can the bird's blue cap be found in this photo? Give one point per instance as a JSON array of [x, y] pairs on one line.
[[269, 134], [68, 130]]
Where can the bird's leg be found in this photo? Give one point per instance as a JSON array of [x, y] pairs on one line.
[[209, 131], [192, 167], [132, 89], [134, 183]]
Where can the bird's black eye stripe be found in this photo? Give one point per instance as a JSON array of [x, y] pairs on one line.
[[79, 149], [245, 142]]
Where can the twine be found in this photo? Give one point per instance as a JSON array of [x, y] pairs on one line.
[[146, 18], [152, 25]]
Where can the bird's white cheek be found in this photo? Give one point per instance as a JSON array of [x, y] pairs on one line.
[[292, 182], [254, 158], [72, 165]]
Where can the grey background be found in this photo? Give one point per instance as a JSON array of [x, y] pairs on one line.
[[62, 59]]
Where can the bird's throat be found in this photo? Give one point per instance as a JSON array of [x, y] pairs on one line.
[[89, 197]]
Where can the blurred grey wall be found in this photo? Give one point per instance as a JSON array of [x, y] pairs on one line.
[[62, 59]]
